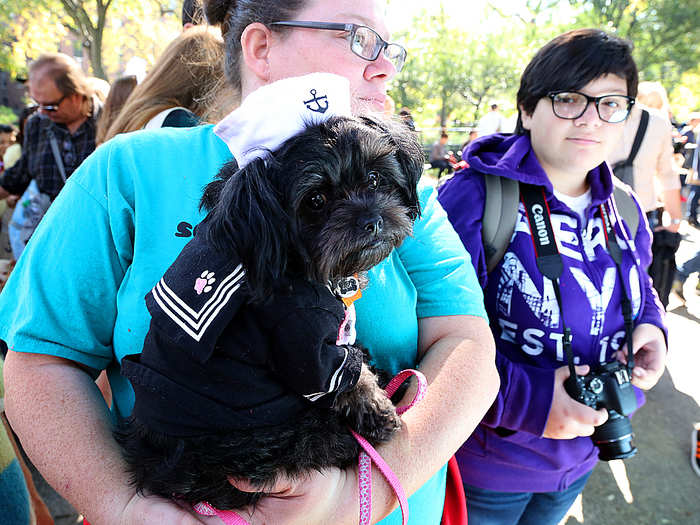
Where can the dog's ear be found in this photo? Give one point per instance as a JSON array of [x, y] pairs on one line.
[[212, 190], [408, 153], [248, 216]]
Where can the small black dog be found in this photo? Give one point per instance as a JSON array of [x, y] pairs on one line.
[[330, 203]]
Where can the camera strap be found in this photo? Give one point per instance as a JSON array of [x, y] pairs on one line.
[[547, 255], [625, 303], [550, 264]]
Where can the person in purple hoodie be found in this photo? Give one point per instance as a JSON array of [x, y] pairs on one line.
[[532, 454]]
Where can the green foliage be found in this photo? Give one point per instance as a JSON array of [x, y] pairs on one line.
[[665, 33], [451, 73], [107, 32], [7, 116], [456, 69]]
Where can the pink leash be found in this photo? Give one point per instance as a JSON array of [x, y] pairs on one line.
[[367, 456]]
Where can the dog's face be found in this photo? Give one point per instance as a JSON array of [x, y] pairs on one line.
[[332, 201], [349, 196]]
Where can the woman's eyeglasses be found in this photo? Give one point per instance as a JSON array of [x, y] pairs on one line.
[[364, 41], [51, 107], [572, 104]]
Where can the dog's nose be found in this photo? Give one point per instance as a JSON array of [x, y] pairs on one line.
[[372, 225]]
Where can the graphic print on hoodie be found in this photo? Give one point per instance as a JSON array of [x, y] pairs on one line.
[[507, 452]]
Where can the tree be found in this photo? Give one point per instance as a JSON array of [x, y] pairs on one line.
[[101, 29], [90, 28], [449, 67], [665, 33]]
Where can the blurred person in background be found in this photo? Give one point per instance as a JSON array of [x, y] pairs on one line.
[[120, 91], [100, 87], [492, 122], [691, 132], [439, 157], [185, 87], [655, 179], [67, 111], [7, 138], [10, 158]]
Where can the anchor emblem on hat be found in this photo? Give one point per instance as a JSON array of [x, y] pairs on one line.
[[320, 108]]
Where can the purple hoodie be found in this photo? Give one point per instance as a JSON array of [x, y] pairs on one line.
[[525, 317]]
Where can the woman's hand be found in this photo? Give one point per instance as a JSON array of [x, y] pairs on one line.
[[568, 418], [649, 350], [147, 510]]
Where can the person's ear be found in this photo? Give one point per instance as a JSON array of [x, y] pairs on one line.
[[255, 48]]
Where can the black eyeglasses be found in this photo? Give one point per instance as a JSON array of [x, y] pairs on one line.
[[51, 106], [364, 41], [572, 104]]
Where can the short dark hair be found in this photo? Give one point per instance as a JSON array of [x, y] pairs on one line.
[[192, 12], [572, 60], [4, 128]]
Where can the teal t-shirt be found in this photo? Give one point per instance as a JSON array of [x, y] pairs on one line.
[[126, 213]]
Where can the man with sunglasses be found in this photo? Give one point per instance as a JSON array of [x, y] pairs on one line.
[[67, 111]]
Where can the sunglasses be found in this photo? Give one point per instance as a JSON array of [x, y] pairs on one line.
[[51, 106], [364, 41], [571, 105]]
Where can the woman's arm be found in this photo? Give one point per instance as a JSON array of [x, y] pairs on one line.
[[63, 424], [458, 362]]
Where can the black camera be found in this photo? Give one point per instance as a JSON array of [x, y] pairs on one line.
[[608, 386]]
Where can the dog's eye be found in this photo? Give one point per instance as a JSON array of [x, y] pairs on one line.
[[373, 180], [316, 201]]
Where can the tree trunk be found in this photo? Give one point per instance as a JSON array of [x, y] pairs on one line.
[[96, 56], [443, 111]]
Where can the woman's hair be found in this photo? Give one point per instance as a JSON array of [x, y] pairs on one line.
[[188, 74], [235, 15], [572, 60], [191, 12], [118, 93]]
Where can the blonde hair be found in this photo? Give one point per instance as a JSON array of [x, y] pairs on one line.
[[118, 94], [189, 74], [653, 95]]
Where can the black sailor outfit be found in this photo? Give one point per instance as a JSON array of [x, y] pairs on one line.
[[213, 362]]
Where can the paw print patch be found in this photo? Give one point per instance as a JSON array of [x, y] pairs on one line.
[[204, 282]]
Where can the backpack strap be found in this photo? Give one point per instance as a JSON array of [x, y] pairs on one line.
[[500, 216], [625, 205], [56, 153], [638, 138], [501, 213]]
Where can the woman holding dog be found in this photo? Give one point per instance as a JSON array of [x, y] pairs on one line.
[[127, 213], [531, 455]]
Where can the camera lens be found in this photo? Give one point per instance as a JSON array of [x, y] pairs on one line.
[[614, 438]]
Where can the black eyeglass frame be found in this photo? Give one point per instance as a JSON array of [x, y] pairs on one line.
[[595, 100], [381, 46], [53, 106]]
